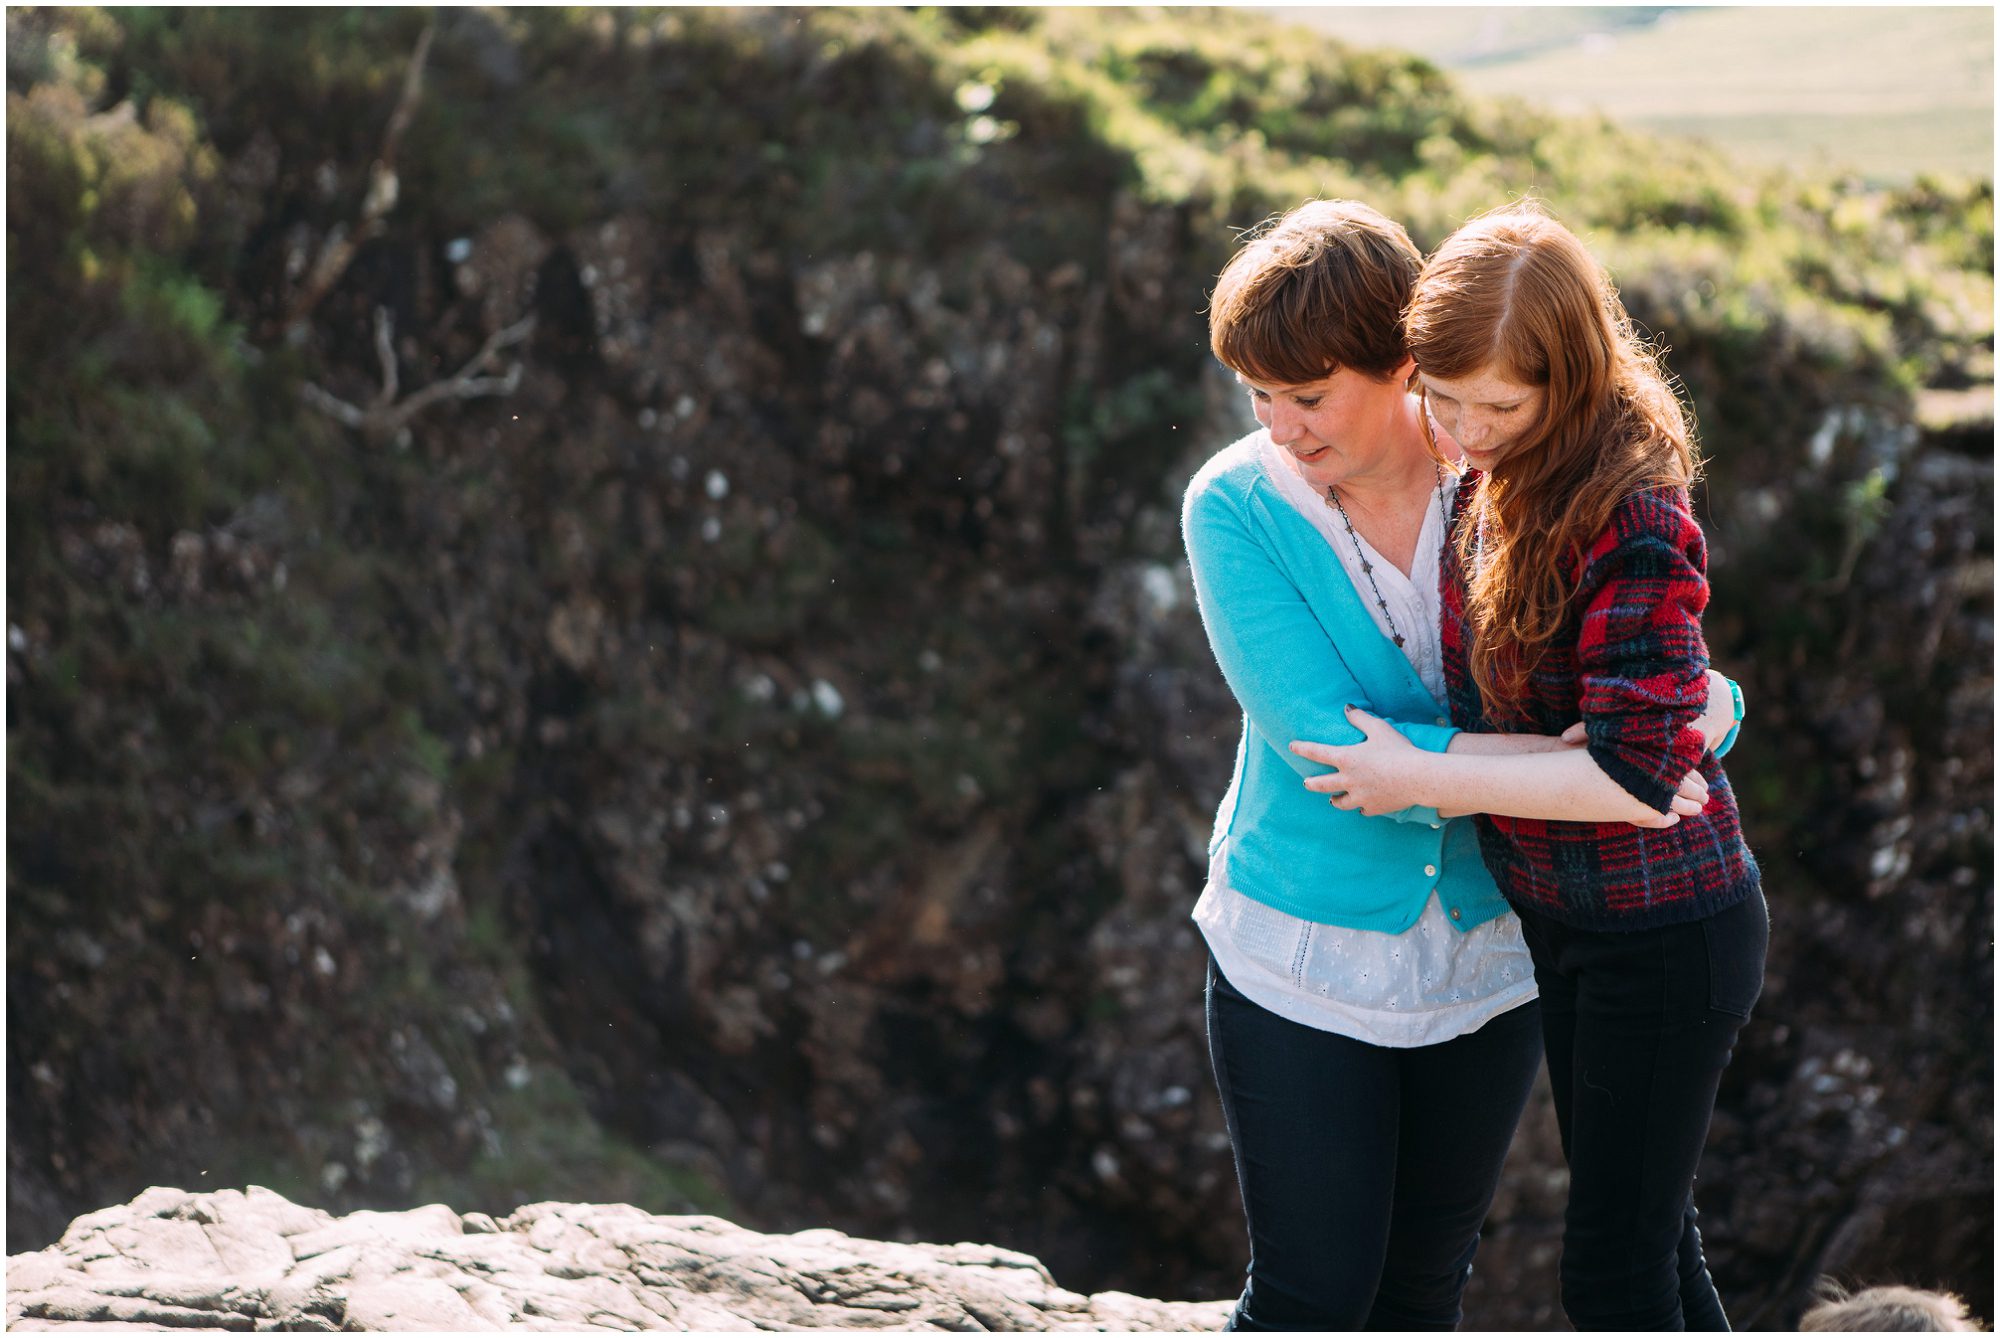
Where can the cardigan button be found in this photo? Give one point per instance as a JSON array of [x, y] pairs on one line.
[[1430, 871], [1442, 721], [1436, 825], [1454, 913]]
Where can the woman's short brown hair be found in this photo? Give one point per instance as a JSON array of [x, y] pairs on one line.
[[1320, 289]]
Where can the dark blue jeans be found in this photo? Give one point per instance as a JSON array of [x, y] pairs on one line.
[[1366, 1171], [1638, 1027]]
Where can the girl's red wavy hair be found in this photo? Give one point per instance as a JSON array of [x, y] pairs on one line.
[[1513, 292]]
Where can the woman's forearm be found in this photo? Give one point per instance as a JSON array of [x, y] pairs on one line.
[[1561, 784]]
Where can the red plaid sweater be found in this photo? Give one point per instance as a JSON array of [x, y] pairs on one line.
[[1631, 664]]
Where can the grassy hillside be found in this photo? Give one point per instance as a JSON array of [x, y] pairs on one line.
[[1461, 37], [1889, 92]]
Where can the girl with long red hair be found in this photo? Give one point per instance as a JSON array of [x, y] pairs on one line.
[[1573, 586]]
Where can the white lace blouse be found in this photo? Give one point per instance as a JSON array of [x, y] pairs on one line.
[[1428, 983]]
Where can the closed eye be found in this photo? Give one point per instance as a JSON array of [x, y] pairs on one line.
[[1303, 401]]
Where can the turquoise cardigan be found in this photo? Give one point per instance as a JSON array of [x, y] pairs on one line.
[[1296, 645]]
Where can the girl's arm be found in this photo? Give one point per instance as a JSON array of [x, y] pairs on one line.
[[1716, 724], [1640, 654], [1385, 772], [1493, 773], [1649, 711], [1719, 721], [1508, 745]]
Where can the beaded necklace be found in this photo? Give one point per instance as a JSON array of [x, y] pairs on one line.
[[1367, 567]]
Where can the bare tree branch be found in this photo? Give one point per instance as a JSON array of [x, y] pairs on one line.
[[413, 86], [337, 409], [386, 416], [466, 384], [339, 248], [385, 350]]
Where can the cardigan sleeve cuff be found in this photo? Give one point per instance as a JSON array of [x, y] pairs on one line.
[[1430, 738]]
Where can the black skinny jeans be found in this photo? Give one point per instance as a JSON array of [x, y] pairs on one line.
[[1366, 1171], [1638, 1027]]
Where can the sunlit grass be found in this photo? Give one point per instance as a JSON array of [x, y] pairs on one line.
[[1888, 92]]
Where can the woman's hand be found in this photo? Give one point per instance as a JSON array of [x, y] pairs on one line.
[[1376, 776], [1720, 717], [1690, 799]]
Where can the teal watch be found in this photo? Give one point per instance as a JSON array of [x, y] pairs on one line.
[[1736, 707]]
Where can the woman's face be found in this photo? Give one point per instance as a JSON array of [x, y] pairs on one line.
[[1338, 428], [1486, 413]]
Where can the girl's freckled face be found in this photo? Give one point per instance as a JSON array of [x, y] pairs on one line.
[[1485, 413]]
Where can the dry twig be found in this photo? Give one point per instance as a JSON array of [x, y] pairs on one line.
[[385, 416], [342, 242]]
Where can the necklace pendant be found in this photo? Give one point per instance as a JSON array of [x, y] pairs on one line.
[[1367, 567]]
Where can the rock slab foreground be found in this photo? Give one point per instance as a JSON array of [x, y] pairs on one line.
[[252, 1260]]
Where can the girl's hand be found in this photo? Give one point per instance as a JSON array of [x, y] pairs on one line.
[[1376, 776]]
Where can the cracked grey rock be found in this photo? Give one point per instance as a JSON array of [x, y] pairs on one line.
[[253, 1261]]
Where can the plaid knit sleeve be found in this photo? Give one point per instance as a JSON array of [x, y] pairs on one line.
[[1641, 659]]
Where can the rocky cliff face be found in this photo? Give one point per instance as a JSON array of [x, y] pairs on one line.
[[254, 1261], [761, 762]]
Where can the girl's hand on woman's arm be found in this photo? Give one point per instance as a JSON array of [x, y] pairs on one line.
[[1384, 771], [1381, 774]]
